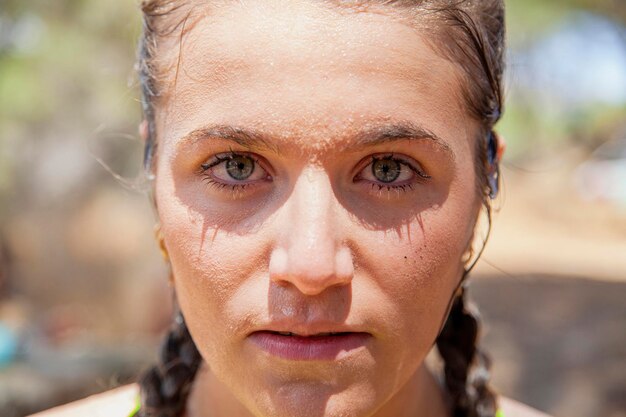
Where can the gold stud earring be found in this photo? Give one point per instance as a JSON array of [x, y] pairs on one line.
[[459, 291], [161, 242], [166, 257]]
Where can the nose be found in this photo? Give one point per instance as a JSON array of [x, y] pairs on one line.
[[309, 253]]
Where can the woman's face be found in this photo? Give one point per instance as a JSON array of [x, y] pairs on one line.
[[316, 189]]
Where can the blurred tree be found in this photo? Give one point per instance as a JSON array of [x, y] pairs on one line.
[[613, 9], [530, 19]]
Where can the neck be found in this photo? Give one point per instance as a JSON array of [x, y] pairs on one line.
[[421, 396]]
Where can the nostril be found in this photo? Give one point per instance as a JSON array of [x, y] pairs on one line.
[[279, 263]]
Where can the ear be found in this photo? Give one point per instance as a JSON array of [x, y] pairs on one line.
[[143, 130], [501, 147]]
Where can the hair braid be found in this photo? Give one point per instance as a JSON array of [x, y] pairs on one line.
[[164, 388], [466, 368]]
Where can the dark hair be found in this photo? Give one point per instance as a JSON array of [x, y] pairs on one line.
[[469, 33]]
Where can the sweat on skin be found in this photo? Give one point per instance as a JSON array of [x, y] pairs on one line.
[[315, 242]]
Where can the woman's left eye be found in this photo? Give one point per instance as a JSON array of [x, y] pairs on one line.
[[233, 169], [391, 171]]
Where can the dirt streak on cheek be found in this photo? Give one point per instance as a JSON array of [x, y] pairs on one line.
[[426, 267]]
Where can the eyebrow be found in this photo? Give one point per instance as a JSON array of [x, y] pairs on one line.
[[400, 131], [248, 138], [371, 136]]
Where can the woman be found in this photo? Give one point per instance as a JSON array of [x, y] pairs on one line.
[[319, 169]]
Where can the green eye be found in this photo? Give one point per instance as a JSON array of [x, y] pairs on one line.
[[240, 167], [386, 170]]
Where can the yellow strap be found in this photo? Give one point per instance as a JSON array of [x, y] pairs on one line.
[[138, 406]]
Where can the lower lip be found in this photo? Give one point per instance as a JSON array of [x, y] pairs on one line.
[[309, 347]]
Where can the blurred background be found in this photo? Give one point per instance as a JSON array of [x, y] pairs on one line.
[[83, 295]]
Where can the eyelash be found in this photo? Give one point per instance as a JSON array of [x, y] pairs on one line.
[[420, 176], [219, 159]]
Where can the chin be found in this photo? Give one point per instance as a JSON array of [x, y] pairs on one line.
[[317, 399], [354, 385]]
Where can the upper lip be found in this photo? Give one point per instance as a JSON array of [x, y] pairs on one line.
[[309, 328]]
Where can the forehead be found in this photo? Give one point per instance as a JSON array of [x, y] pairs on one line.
[[305, 69]]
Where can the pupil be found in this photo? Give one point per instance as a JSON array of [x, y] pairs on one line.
[[240, 167], [386, 170]]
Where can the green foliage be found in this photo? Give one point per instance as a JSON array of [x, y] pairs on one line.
[[528, 20], [532, 123], [532, 18]]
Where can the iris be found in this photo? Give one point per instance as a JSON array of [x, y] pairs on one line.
[[386, 170]]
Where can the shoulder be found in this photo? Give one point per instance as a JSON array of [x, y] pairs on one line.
[[118, 402], [512, 408]]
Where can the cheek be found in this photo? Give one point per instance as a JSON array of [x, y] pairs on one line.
[[415, 269], [212, 266], [220, 291]]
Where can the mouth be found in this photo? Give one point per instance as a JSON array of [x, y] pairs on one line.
[[324, 346], [312, 335]]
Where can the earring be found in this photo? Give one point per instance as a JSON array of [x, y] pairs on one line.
[[161, 242], [166, 257], [460, 290], [493, 184], [492, 161]]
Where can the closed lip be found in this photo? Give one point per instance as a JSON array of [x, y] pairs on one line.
[[309, 341], [326, 346], [304, 329]]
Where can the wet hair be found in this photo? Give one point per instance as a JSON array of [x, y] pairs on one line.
[[469, 33]]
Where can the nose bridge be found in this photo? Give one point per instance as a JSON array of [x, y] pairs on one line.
[[309, 253], [310, 238], [311, 212]]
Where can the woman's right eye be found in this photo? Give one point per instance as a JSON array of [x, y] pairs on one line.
[[233, 170]]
